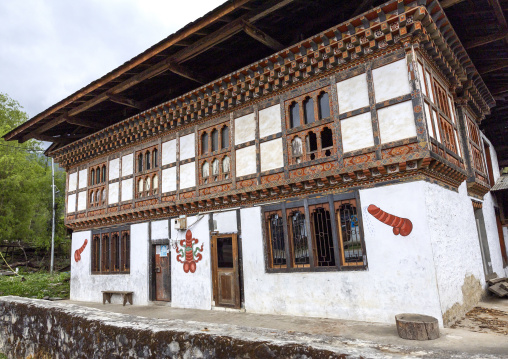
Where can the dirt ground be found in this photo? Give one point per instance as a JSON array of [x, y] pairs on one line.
[[491, 316]]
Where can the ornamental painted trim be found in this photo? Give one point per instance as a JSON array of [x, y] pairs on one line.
[[326, 52]]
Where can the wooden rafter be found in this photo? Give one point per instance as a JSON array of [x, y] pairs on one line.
[[449, 3], [484, 40], [183, 55], [125, 101], [163, 45], [261, 36], [364, 5], [494, 67], [84, 123], [186, 72]]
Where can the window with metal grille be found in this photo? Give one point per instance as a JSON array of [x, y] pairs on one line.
[[110, 251], [298, 238], [322, 237], [96, 253], [316, 234], [350, 241], [277, 246]]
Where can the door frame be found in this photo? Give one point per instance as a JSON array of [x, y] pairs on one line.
[[152, 280], [236, 266]]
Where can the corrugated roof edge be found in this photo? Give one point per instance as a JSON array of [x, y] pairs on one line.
[[501, 183]]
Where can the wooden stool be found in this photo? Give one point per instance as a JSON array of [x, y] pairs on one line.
[[417, 326]]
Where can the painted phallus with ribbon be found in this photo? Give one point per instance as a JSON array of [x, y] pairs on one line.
[[191, 254]]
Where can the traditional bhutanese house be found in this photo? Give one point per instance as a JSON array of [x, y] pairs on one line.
[[287, 157]]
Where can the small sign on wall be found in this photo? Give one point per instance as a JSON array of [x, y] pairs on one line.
[[164, 250]]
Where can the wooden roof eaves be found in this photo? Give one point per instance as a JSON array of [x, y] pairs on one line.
[[292, 50], [181, 34]]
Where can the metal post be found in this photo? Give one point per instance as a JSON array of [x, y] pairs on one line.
[[53, 220]]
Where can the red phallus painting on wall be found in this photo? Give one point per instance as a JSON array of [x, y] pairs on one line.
[[188, 252], [402, 226], [77, 253]]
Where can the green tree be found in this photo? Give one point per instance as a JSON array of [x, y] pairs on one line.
[[25, 185]]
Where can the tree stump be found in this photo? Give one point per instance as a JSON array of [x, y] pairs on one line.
[[417, 326]]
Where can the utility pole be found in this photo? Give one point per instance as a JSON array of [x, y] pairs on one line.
[[53, 220]]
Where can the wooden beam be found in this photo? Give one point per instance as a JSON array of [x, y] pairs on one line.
[[365, 4], [262, 37], [449, 3], [499, 14], [124, 101], [47, 126], [185, 54], [161, 46], [484, 40], [84, 123], [494, 67], [186, 72]]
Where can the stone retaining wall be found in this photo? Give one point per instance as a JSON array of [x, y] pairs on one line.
[[31, 328]]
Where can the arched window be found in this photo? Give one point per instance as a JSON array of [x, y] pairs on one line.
[[140, 185], [311, 140], [225, 164], [324, 105], [225, 137], [155, 181], [294, 111], [204, 143], [104, 173], [98, 175], [92, 177], [215, 167], [92, 198], [147, 184], [140, 162], [154, 158], [296, 146], [326, 138], [308, 109], [97, 197], [215, 140], [205, 170], [147, 160], [103, 195]]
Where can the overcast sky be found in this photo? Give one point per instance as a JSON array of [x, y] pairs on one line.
[[50, 49]]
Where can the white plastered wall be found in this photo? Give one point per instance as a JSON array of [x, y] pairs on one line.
[[455, 245], [87, 287], [192, 290], [400, 276], [489, 215]]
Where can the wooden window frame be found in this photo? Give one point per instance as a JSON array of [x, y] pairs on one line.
[[207, 155], [304, 129], [331, 203], [440, 101], [104, 252]]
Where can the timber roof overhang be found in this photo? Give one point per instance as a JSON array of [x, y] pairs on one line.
[[235, 34]]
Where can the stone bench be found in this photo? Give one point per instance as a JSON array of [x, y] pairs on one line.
[[106, 296]]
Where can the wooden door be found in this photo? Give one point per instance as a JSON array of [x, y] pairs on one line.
[[225, 271], [162, 273]]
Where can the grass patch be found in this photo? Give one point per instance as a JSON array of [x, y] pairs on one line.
[[36, 285], [3, 356]]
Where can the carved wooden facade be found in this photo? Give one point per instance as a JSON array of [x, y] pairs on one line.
[[314, 118]]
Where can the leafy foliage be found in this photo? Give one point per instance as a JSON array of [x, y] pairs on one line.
[[25, 185], [38, 285]]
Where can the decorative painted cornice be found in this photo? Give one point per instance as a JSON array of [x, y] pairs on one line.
[[347, 44]]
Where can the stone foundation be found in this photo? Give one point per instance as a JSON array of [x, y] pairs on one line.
[[33, 328]]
